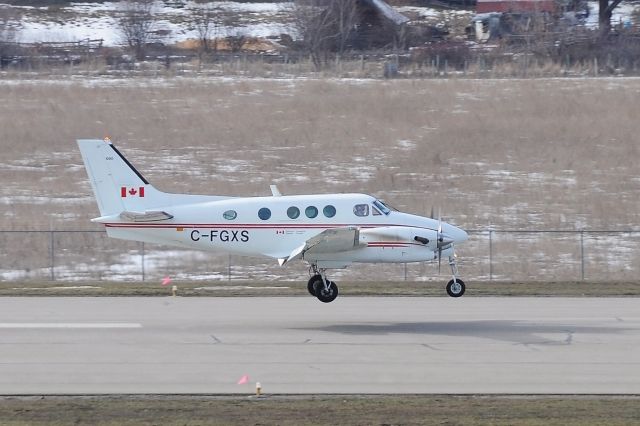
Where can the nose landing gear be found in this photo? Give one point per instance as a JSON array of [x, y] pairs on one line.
[[455, 287]]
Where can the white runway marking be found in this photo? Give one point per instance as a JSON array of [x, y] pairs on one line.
[[241, 287], [68, 325]]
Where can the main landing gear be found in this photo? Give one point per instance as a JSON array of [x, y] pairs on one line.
[[455, 287], [319, 286]]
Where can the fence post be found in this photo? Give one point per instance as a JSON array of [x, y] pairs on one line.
[[490, 255], [52, 276], [582, 253], [229, 269], [405, 271], [142, 260]]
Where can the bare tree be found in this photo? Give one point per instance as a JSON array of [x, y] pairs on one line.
[[345, 18], [605, 10], [205, 19], [8, 31], [325, 26], [136, 24]]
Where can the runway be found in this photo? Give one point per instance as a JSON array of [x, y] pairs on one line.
[[299, 345]]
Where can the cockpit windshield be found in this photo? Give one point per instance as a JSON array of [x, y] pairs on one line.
[[382, 207]]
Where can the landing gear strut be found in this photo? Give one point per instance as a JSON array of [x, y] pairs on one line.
[[455, 287], [319, 286]]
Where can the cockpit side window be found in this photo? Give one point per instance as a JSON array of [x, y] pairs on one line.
[[375, 212], [361, 210], [381, 206]]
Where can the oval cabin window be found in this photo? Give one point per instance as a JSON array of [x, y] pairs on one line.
[[293, 212], [230, 214], [264, 213], [311, 212], [329, 211]]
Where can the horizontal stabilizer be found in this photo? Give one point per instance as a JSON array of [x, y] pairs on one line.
[[150, 216]]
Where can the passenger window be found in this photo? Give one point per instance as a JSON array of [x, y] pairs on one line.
[[375, 212], [329, 211], [311, 212], [230, 214], [264, 213], [293, 212], [361, 210]]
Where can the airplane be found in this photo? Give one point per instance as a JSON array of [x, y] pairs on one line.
[[328, 231]]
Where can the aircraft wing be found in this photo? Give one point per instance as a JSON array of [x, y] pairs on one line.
[[328, 241]]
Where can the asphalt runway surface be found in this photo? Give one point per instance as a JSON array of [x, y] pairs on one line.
[[299, 345]]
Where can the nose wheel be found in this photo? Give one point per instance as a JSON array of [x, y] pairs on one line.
[[455, 287], [321, 287]]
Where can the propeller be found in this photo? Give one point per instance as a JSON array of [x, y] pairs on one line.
[[439, 240]]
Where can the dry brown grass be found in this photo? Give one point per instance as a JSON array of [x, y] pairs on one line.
[[517, 154], [321, 410]]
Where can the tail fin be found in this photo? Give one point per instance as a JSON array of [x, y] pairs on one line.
[[117, 185]]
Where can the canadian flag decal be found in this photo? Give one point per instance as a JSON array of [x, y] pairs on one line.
[[131, 191]]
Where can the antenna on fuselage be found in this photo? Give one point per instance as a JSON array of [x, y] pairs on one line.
[[275, 191]]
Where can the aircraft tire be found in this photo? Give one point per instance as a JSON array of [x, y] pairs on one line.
[[456, 289], [311, 283], [326, 296]]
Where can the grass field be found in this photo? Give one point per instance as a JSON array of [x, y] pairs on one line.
[[288, 288], [314, 410], [507, 153], [490, 154]]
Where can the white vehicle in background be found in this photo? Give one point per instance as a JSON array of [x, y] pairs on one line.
[[328, 231]]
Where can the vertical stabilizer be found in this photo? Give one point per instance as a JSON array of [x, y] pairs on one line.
[[117, 185]]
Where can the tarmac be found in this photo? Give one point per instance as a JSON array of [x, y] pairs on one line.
[[362, 345]]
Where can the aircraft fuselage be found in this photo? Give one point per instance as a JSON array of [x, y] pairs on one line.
[[274, 226]]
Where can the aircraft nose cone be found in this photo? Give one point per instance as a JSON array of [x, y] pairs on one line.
[[457, 235], [460, 236]]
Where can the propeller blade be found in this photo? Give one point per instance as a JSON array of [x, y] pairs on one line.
[[439, 241], [431, 213]]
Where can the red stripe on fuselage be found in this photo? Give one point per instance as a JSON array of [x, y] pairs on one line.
[[254, 225]]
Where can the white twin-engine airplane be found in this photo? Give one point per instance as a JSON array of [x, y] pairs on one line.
[[329, 231]]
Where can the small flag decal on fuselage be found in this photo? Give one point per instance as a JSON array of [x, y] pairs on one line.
[[131, 192]]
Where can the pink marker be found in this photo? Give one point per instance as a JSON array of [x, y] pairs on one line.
[[166, 280], [244, 380]]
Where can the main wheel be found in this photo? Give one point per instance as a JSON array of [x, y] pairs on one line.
[[312, 282], [325, 295], [455, 288]]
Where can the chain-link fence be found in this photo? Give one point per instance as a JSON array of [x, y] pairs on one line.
[[499, 255]]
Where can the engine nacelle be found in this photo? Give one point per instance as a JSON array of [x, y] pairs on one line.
[[400, 234]]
